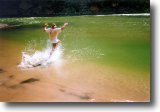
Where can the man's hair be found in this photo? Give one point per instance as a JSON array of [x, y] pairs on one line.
[[53, 24]]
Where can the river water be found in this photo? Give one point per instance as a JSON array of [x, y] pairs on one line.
[[100, 59]]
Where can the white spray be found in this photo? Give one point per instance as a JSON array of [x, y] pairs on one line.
[[41, 58]]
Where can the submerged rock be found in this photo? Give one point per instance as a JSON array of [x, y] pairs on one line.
[[1, 70], [30, 80], [83, 97]]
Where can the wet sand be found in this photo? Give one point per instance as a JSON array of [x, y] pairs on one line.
[[67, 82]]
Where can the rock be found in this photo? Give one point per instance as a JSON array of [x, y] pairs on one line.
[[2, 25], [1, 70], [30, 80]]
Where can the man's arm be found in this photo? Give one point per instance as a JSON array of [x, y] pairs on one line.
[[45, 26], [46, 29], [65, 24]]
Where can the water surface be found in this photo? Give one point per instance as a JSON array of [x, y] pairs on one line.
[[105, 58]]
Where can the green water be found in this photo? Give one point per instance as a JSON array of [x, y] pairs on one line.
[[116, 41]]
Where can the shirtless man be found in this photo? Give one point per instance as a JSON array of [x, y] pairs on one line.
[[53, 33]]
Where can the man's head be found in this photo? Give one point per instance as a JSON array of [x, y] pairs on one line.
[[53, 26]]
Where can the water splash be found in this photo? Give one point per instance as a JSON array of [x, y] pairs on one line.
[[31, 57], [34, 58], [83, 54]]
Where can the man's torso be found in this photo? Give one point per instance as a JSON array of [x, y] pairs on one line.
[[53, 34]]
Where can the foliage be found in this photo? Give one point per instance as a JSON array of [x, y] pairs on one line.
[[10, 8]]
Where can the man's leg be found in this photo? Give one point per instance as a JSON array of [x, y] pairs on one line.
[[54, 46]]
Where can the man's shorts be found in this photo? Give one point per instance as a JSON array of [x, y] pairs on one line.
[[55, 44]]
